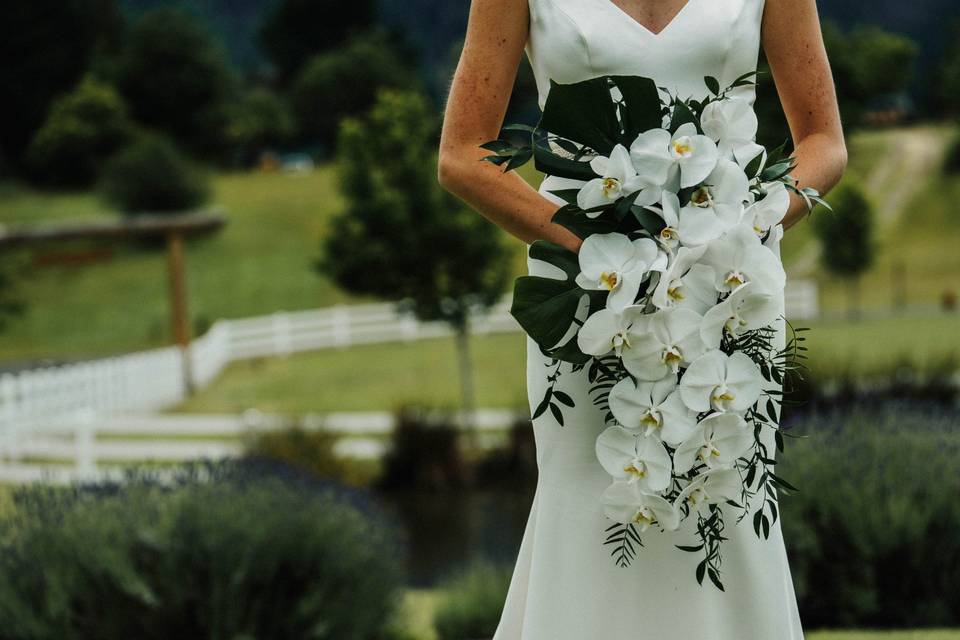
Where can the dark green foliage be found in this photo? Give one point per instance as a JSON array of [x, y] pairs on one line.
[[512, 465], [152, 175], [261, 120], [846, 234], [176, 79], [872, 533], [311, 451], [424, 453], [84, 128], [222, 551], [295, 30], [472, 602], [951, 163], [344, 82], [46, 47], [401, 236]]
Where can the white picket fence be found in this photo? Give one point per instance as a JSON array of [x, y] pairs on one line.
[[149, 381]]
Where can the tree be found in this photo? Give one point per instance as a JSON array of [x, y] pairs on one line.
[[401, 236], [846, 238], [948, 85], [84, 128], [259, 121], [176, 79], [296, 30], [46, 47], [868, 63], [345, 82]]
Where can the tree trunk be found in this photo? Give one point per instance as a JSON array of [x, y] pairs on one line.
[[466, 376], [853, 310]]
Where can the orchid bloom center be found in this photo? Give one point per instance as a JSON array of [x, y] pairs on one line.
[[672, 357], [611, 187], [702, 197], [697, 496], [707, 452], [675, 290], [637, 469], [644, 517], [721, 398], [683, 147], [651, 419], [620, 340], [734, 323], [669, 235], [734, 279], [610, 280]]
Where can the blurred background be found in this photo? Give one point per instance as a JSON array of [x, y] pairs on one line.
[[258, 377]]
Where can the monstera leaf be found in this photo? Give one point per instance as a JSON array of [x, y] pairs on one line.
[[547, 307]]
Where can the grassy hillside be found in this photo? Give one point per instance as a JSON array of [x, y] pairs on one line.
[[262, 260]]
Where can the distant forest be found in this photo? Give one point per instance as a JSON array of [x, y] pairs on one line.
[[237, 22]]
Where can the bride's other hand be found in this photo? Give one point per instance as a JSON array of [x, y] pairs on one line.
[[476, 106], [793, 43]]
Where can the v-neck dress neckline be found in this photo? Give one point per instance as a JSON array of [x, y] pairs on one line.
[[654, 34]]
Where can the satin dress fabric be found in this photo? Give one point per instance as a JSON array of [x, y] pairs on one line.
[[565, 584]]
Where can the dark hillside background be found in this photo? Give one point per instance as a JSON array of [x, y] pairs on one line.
[[434, 26]]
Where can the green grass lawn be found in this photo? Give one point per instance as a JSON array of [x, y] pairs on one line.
[[380, 376], [262, 260]]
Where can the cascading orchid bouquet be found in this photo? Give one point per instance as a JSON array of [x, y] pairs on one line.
[[672, 300]]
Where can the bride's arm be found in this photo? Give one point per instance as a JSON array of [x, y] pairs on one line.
[[481, 87], [793, 43]]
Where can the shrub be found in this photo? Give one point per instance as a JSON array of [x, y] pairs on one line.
[[215, 551], [512, 465], [152, 175], [424, 453], [472, 603], [952, 161], [310, 451], [82, 130], [872, 532]]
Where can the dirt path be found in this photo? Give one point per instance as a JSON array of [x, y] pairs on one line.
[[912, 153]]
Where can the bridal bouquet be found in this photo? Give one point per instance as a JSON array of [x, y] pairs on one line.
[[672, 302]]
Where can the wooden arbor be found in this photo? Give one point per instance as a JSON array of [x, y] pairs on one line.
[[173, 227]]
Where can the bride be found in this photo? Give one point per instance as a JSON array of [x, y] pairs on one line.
[[564, 586]]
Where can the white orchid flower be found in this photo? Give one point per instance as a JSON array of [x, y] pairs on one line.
[[663, 341], [732, 123], [653, 409], [626, 503], [608, 330], [611, 262], [696, 155], [769, 210], [710, 487], [617, 178], [718, 382], [635, 458], [686, 284], [716, 205], [650, 153], [738, 257], [743, 310], [718, 441]]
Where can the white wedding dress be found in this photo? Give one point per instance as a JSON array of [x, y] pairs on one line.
[[565, 584]]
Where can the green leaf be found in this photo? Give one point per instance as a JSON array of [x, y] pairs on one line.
[[712, 84], [567, 195], [572, 217], [682, 115], [557, 413], [649, 220], [563, 398], [642, 106], [715, 578], [519, 159], [583, 112], [548, 162], [691, 549], [557, 255], [545, 307]]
